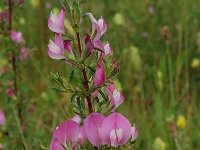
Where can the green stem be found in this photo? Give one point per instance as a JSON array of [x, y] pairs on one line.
[[20, 129]]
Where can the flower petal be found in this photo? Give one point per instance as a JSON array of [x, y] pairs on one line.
[[108, 49], [67, 132], [92, 126], [67, 46], [56, 23], [99, 78], [116, 130], [56, 50], [82, 136]]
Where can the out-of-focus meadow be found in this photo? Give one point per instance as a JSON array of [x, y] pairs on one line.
[[158, 46]]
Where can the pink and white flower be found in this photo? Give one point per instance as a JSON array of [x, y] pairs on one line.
[[56, 23], [108, 49], [99, 78], [56, 49], [116, 130], [134, 133], [2, 117], [64, 135], [114, 95], [17, 37], [99, 26], [92, 126]]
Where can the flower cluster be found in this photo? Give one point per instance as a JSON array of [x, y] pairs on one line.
[[18, 38], [112, 129]]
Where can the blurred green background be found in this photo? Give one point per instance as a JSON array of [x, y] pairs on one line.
[[158, 46]]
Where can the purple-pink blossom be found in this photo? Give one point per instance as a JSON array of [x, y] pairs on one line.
[[92, 126], [56, 23], [114, 95], [2, 117], [99, 78], [65, 135], [17, 37], [116, 130], [56, 49], [134, 133]]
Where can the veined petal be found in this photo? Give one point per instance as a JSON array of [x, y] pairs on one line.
[[116, 130], [103, 25], [67, 133], [82, 136], [55, 145], [92, 126], [56, 23], [56, 50]]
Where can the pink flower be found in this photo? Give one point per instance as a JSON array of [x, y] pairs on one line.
[[23, 53], [56, 50], [56, 23], [77, 119], [114, 95], [82, 138], [99, 26], [134, 133], [17, 37], [107, 49], [99, 78], [67, 46], [10, 92], [116, 130], [2, 117], [89, 44], [92, 126], [66, 134]]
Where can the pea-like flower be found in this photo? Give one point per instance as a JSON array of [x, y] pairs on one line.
[[65, 135], [134, 133], [92, 126], [56, 23], [17, 37], [116, 130], [99, 26], [56, 49], [114, 95], [99, 78]]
